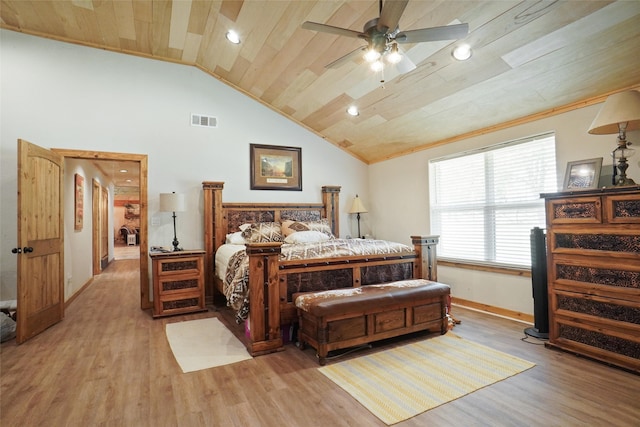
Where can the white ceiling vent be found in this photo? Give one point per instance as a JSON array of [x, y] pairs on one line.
[[204, 121]]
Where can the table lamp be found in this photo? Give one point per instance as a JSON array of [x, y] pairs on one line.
[[172, 202], [357, 208], [619, 113]]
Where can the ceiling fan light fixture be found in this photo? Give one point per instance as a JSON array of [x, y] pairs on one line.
[[394, 56], [233, 37], [461, 52], [377, 66], [371, 55]]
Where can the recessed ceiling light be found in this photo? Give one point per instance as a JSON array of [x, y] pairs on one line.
[[123, 171], [461, 52], [233, 37], [353, 110], [128, 180]]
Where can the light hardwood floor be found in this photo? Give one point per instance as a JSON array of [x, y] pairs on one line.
[[109, 364]]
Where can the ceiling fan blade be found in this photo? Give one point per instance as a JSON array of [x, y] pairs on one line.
[[448, 32], [346, 58], [390, 15], [323, 28]]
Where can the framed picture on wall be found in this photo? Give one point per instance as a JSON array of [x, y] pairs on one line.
[[276, 168], [79, 201], [582, 174]]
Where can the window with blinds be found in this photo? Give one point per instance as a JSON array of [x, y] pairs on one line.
[[485, 202]]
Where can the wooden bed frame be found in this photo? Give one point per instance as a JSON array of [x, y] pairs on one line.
[[269, 278]]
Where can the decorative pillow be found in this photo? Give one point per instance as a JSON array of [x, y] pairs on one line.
[[263, 232], [309, 236], [289, 227], [235, 238]]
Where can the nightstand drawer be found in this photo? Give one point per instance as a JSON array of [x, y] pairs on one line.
[[179, 285]]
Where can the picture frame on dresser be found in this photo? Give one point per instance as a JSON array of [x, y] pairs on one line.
[[582, 174], [275, 167]]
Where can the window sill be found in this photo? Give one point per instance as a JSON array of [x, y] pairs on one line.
[[514, 271]]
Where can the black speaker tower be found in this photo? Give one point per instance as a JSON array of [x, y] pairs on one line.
[[539, 285]]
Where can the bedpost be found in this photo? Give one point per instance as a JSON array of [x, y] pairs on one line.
[[331, 202], [264, 292], [425, 247], [212, 240]]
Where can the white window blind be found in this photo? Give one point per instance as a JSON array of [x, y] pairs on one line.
[[484, 203]]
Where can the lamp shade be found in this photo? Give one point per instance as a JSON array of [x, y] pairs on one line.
[[623, 107], [172, 202], [357, 206]]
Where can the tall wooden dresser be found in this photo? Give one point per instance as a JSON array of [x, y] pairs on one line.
[[593, 264]]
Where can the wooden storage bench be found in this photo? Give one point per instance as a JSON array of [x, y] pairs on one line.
[[342, 318]]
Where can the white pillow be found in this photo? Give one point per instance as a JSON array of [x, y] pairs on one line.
[[310, 236], [235, 238]]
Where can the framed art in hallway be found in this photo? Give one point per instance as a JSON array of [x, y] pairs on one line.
[[582, 174], [274, 167], [79, 202]]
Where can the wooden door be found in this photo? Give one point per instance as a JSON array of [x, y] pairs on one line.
[[40, 238], [95, 230], [104, 227], [100, 231]]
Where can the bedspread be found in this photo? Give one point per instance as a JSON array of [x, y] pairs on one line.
[[235, 282]]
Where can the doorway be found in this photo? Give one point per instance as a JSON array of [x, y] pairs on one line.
[[141, 160]]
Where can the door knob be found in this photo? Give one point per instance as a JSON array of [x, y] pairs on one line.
[[16, 250], [27, 249]]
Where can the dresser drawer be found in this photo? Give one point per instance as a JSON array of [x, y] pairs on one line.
[[624, 315], [575, 210], [596, 276], [622, 209], [597, 340], [598, 241]]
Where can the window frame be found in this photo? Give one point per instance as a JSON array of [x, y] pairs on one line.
[[491, 260]]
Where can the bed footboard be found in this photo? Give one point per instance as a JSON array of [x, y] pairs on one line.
[[270, 295]]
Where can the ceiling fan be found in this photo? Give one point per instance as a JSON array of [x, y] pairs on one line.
[[383, 35]]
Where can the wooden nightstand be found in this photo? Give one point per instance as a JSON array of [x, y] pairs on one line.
[[178, 282]]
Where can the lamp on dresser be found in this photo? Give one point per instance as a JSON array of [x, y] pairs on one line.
[[172, 202], [357, 208], [620, 113]]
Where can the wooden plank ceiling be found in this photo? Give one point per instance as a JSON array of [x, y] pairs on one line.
[[530, 58]]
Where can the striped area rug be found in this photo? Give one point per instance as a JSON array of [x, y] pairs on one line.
[[402, 382]]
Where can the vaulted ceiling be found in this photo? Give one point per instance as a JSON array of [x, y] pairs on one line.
[[530, 59]]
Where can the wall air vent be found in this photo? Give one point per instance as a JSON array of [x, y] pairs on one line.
[[204, 121]]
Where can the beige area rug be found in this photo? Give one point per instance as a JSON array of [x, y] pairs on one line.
[[402, 382], [204, 343]]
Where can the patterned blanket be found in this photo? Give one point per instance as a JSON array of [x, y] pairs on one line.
[[236, 281]]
